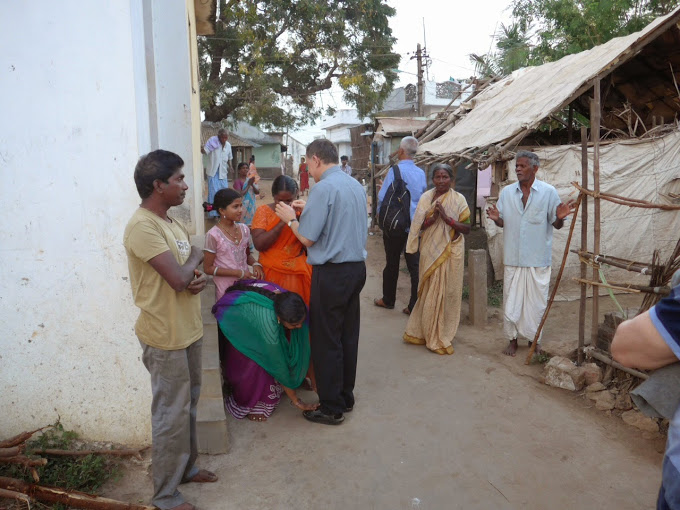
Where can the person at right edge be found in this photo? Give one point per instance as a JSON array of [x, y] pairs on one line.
[[334, 228], [649, 341], [395, 242]]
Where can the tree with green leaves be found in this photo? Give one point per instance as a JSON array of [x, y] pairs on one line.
[[267, 60], [547, 30]]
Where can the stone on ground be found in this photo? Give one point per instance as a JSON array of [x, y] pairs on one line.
[[604, 400], [598, 386], [638, 420], [562, 373], [592, 373]]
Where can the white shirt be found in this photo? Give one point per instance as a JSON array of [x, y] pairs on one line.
[[347, 169], [528, 231], [219, 159]]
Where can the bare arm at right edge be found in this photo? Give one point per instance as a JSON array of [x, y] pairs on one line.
[[178, 277]]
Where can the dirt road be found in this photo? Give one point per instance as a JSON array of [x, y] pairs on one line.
[[475, 430]]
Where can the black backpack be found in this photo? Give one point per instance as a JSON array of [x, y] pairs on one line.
[[395, 210]]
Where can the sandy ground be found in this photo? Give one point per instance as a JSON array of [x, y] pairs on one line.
[[475, 430]]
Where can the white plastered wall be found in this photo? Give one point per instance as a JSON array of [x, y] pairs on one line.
[[79, 106]]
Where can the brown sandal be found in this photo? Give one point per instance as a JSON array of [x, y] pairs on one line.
[[407, 311]]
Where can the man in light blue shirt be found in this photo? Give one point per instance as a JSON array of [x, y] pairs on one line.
[[334, 228], [395, 243], [527, 211]]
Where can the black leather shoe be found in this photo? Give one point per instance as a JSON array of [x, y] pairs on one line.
[[349, 409], [319, 416]]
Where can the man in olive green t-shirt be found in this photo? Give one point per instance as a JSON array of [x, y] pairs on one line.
[[165, 285]]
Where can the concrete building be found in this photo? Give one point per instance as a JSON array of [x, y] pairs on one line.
[[85, 92], [266, 148], [403, 102], [337, 130]]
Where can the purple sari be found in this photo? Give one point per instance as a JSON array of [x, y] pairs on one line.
[[249, 389]]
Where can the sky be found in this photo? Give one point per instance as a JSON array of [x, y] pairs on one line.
[[453, 30]]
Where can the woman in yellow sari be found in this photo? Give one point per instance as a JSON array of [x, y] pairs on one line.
[[442, 216], [282, 255]]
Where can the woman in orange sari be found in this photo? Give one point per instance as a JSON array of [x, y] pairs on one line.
[[283, 257]]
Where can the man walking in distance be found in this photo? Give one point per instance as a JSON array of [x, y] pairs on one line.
[[334, 228], [527, 211], [165, 286], [395, 242], [344, 165]]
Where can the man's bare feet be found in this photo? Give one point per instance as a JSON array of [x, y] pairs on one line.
[[511, 349], [538, 348], [184, 506], [257, 417], [204, 476]]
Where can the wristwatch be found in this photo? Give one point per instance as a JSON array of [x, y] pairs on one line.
[[291, 222]]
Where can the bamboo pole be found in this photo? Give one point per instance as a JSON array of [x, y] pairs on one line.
[[595, 109], [532, 349], [584, 244]]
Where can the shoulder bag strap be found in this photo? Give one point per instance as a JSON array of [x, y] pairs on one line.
[[397, 173]]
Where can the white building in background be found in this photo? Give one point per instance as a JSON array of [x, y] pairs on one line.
[[337, 130], [86, 89], [403, 101]]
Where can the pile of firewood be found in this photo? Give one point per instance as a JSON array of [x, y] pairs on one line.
[[12, 452]]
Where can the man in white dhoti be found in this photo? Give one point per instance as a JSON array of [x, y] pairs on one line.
[[527, 212]]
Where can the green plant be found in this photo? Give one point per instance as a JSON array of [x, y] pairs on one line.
[[540, 359], [495, 293], [85, 474]]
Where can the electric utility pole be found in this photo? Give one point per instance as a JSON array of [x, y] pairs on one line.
[[420, 54]]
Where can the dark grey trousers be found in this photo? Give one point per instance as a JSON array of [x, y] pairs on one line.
[[175, 386]]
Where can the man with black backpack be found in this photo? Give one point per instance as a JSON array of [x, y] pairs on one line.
[[397, 202]]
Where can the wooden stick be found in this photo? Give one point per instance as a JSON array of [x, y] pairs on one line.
[[607, 285], [23, 461], [11, 452], [18, 496], [73, 499], [83, 453], [532, 349], [629, 265], [630, 202], [584, 243], [590, 351], [595, 110], [19, 438], [628, 287]]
